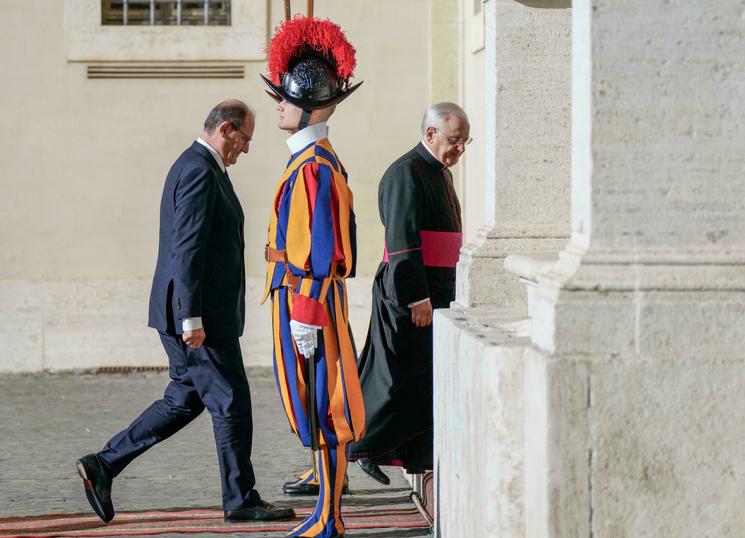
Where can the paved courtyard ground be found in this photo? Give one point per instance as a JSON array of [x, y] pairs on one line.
[[49, 420]]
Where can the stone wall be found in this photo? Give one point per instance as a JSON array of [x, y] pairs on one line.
[[102, 323]]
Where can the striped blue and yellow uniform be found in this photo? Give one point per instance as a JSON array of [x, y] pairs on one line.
[[313, 221]]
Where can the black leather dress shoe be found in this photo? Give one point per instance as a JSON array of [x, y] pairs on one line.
[[373, 471], [263, 511], [97, 484], [299, 488]]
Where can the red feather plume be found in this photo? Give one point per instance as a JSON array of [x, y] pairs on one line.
[[295, 35]]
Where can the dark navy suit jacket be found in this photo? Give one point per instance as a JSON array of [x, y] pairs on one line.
[[200, 269]]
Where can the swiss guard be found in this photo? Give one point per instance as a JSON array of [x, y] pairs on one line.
[[311, 251]]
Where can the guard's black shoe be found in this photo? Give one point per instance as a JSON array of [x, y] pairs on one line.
[[97, 484], [263, 511], [373, 471], [298, 487]]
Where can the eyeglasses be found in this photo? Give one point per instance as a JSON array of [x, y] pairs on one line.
[[454, 140], [246, 138]]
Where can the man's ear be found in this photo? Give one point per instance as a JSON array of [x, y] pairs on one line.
[[224, 128]]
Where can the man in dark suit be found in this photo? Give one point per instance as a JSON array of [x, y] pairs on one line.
[[197, 306]]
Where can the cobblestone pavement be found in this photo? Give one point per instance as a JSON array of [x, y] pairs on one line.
[[49, 420]]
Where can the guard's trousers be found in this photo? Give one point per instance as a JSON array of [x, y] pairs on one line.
[[339, 407]]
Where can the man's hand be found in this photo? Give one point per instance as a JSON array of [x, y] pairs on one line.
[[305, 336], [194, 338], [421, 314]]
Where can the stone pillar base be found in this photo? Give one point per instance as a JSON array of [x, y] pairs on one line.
[[482, 278], [592, 444], [662, 304], [478, 423]]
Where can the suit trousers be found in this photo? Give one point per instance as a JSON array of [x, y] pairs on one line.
[[212, 376]]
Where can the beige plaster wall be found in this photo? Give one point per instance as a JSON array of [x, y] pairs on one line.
[[472, 85], [84, 163], [456, 58]]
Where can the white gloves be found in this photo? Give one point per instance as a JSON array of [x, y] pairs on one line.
[[305, 336]]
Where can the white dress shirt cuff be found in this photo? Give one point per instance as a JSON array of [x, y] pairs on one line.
[[306, 326], [191, 324], [417, 302]]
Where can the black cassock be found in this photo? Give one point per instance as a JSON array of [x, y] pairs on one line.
[[421, 215]]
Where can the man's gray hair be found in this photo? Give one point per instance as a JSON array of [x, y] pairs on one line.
[[439, 113], [233, 111]]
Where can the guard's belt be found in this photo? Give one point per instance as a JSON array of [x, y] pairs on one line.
[[280, 256], [275, 255]]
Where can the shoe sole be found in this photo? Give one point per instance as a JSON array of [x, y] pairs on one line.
[[291, 493], [92, 499], [300, 493], [244, 521]]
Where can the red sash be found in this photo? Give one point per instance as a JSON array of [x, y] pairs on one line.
[[439, 249]]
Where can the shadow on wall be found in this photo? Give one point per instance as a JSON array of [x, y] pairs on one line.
[[546, 4]]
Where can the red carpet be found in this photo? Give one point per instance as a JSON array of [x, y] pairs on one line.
[[192, 521], [428, 494]]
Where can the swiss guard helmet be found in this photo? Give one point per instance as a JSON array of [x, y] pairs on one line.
[[310, 64]]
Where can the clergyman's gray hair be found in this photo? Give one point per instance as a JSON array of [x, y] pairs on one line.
[[439, 113], [233, 111]]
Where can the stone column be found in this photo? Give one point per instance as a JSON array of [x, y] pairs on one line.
[[480, 375], [527, 147], [641, 323], [656, 262]]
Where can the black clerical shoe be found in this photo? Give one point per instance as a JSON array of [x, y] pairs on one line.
[[373, 471], [263, 511], [97, 484], [298, 487]]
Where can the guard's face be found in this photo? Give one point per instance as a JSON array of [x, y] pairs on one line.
[[289, 116], [448, 142]]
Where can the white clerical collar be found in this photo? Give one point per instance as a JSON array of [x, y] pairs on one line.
[[214, 153], [312, 133], [433, 155]]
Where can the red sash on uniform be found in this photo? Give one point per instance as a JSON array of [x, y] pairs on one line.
[[439, 249]]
